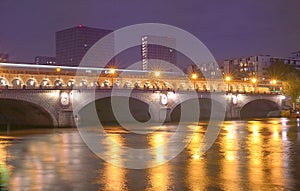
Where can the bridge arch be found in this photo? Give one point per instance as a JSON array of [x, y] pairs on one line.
[[139, 108], [21, 113], [259, 108], [205, 106]]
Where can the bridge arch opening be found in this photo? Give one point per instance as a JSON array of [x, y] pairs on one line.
[[260, 108], [138, 109], [3, 82], [31, 83], [45, 82], [83, 83], [16, 83], [23, 114], [205, 106], [71, 83], [58, 83]]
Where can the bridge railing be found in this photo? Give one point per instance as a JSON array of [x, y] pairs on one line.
[[145, 89]]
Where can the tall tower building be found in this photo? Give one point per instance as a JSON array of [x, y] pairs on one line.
[[73, 43], [152, 50]]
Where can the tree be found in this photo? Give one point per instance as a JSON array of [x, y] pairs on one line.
[[291, 87], [290, 78], [278, 70]]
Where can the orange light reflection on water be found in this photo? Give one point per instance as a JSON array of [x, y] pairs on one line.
[[114, 177], [230, 162], [159, 176], [196, 167]]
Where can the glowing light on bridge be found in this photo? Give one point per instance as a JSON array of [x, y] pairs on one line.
[[273, 81], [157, 73]]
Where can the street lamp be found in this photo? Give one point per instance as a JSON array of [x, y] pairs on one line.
[[254, 80], [227, 79], [58, 70], [194, 77], [112, 72], [157, 73], [273, 82]]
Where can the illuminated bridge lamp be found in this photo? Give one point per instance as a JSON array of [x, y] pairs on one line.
[[273, 82], [112, 72], [58, 69], [227, 79], [156, 73], [254, 82], [194, 77]]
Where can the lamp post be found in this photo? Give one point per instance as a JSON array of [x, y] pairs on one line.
[[58, 70], [227, 79], [112, 72], [253, 80], [157, 73], [273, 82], [194, 77]]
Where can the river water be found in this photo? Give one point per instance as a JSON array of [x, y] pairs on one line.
[[259, 154]]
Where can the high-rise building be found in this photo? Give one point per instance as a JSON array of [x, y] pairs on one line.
[[45, 60], [73, 43], [153, 48]]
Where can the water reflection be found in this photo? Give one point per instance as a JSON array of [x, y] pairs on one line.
[[230, 162], [4, 168], [248, 155], [196, 166], [113, 177], [159, 177]]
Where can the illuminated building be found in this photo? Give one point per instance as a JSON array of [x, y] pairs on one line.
[[73, 43], [152, 48]]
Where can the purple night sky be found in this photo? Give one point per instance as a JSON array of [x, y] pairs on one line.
[[230, 28]]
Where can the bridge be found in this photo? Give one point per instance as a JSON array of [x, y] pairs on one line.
[[48, 96], [22, 107]]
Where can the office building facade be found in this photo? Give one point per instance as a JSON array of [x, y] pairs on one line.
[[73, 43], [152, 48]]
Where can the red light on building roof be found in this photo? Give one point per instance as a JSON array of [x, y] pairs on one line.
[[80, 26]]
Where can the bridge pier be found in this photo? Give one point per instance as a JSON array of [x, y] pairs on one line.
[[65, 118], [164, 115], [232, 111], [160, 114]]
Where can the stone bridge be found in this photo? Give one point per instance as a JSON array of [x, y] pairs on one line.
[[23, 107]]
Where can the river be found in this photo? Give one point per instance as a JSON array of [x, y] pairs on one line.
[[258, 154]]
